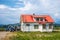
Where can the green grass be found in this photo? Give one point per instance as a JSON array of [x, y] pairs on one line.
[[36, 36], [2, 29], [56, 28]]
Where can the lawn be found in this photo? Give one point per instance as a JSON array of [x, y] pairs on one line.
[[36, 36]]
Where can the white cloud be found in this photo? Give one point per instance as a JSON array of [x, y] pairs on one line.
[[12, 8], [3, 6], [41, 7], [45, 3], [56, 14], [10, 14], [28, 6]]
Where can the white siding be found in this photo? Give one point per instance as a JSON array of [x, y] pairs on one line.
[[31, 27], [47, 28]]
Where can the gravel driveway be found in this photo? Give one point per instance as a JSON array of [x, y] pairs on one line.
[[3, 35]]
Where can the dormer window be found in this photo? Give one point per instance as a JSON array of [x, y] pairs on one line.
[[39, 19]]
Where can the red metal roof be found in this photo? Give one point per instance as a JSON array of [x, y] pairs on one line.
[[30, 18]]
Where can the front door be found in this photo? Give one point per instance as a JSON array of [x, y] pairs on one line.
[[45, 27], [27, 27]]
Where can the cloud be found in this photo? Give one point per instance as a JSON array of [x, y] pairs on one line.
[[3, 6], [9, 18], [12, 14], [28, 6], [45, 3], [56, 14]]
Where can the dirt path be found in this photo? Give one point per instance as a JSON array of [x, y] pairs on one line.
[[3, 35]]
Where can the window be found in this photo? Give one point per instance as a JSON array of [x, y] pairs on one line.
[[50, 26], [36, 27], [41, 19], [44, 26], [27, 24], [37, 19]]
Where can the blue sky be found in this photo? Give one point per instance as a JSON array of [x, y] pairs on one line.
[[10, 10]]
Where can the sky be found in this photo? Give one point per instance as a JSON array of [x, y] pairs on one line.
[[10, 10]]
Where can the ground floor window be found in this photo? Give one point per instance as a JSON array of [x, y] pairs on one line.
[[36, 26], [44, 26], [27, 24], [50, 26]]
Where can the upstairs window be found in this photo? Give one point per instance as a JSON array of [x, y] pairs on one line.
[[41, 19], [37, 19]]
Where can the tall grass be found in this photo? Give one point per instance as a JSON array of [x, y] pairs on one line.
[[36, 36]]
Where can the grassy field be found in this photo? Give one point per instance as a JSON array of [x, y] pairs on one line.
[[56, 28], [36, 36], [2, 29]]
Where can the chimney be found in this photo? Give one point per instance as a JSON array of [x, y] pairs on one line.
[[33, 13]]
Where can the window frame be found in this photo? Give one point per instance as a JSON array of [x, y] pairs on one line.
[[44, 26], [41, 19], [27, 24], [37, 19], [50, 26], [36, 26]]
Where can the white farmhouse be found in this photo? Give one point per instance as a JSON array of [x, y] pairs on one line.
[[42, 23]]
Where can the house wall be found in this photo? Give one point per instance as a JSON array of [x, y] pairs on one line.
[[31, 27], [21, 26], [47, 28]]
